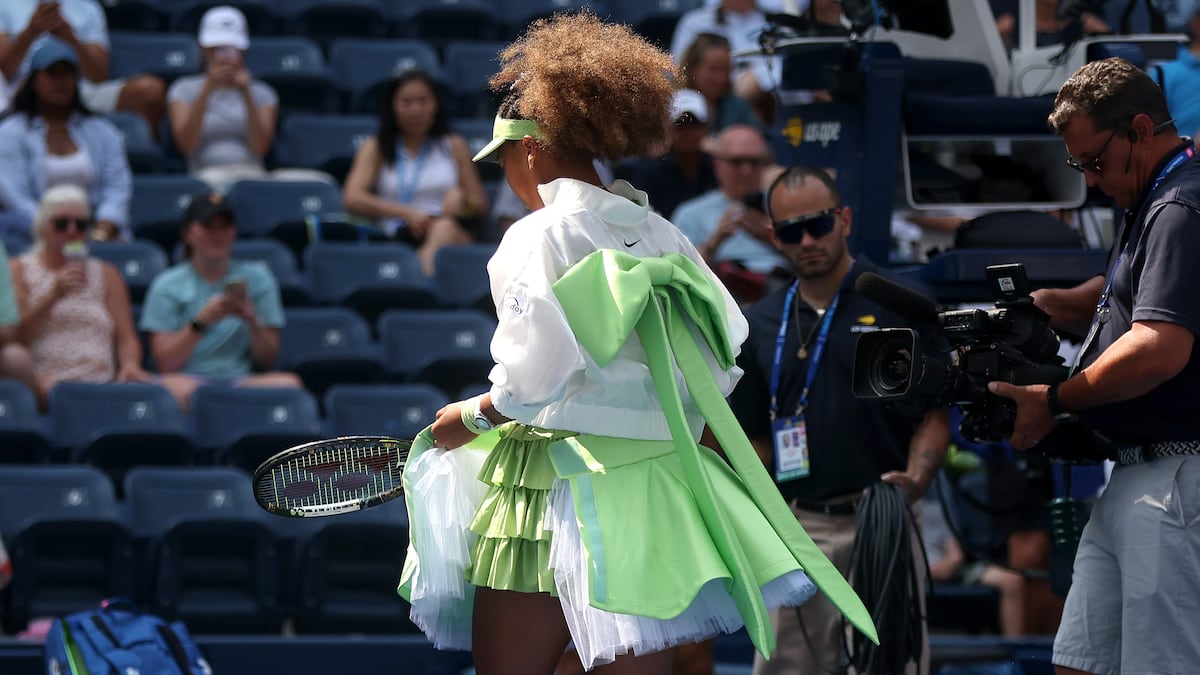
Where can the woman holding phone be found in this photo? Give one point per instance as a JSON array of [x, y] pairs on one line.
[[74, 309], [213, 319]]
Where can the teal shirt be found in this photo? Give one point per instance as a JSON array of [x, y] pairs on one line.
[[176, 296], [8, 301]]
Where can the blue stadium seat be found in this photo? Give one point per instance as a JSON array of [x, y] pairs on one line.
[[69, 547], [369, 279], [168, 55], [138, 261], [262, 18], [399, 411], [295, 68], [117, 426], [22, 437], [361, 69], [347, 571], [329, 20], [446, 348], [292, 286], [478, 133], [440, 21], [157, 204], [263, 205], [245, 425], [136, 15], [141, 150], [328, 345], [469, 65], [653, 19], [211, 557], [324, 142], [461, 276], [515, 15]]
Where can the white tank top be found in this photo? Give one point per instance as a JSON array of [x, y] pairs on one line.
[[73, 169], [419, 179]]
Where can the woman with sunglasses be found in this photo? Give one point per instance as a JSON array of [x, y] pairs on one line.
[[48, 138], [74, 308], [602, 520]]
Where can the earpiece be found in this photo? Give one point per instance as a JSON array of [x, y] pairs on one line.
[[1133, 136]]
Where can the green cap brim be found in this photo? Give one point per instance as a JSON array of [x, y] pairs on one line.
[[504, 130]]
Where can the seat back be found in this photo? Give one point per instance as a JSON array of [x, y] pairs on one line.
[[224, 415], [447, 348], [295, 67], [262, 205], [399, 411], [141, 150], [469, 66], [329, 20], [368, 278], [444, 20], [138, 261], [168, 55], [136, 15], [324, 333], [516, 15], [160, 199], [279, 259], [261, 16], [325, 142], [361, 68], [158, 497], [81, 412], [461, 275], [22, 438]]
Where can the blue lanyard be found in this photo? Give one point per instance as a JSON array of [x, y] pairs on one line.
[[406, 189], [814, 360], [1105, 295]]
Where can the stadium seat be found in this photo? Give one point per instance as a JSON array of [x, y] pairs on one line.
[[653, 19], [461, 276], [324, 142], [399, 411], [138, 261], [329, 20], [157, 204], [141, 150], [116, 426], [361, 69], [136, 16], [468, 67], [211, 557], [263, 205], [261, 16], [347, 571], [328, 345], [369, 279], [293, 288], [69, 547], [515, 15], [439, 21], [22, 437], [448, 349], [168, 55], [245, 425], [478, 132], [295, 68]]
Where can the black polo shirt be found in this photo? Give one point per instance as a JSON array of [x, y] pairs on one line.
[[851, 441], [1158, 280]]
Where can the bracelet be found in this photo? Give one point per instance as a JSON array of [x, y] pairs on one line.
[[472, 417]]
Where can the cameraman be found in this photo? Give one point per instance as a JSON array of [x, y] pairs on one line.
[[1137, 571], [802, 344]]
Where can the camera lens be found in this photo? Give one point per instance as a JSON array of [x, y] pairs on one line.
[[892, 370]]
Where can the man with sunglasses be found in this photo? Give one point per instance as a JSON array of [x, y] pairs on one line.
[[823, 445], [1136, 584]]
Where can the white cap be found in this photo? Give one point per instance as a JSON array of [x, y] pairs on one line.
[[224, 26], [689, 101]]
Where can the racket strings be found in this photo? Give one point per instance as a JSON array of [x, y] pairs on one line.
[[334, 475]]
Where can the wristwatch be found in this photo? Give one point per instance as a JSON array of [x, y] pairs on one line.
[[199, 326], [1057, 411], [482, 422]]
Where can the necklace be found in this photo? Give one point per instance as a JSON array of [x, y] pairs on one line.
[[802, 352]]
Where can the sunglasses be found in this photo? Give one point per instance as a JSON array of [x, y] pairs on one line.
[[62, 223], [1092, 165], [817, 225]]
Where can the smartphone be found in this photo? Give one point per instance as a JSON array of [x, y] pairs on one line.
[[236, 289], [756, 201]]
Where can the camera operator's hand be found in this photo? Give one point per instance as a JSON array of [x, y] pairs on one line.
[[913, 488], [1033, 421]]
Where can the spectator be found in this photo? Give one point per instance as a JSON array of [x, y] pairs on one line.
[[81, 25], [729, 225], [15, 360], [49, 137], [686, 170], [414, 175], [213, 319], [75, 310], [948, 564], [708, 68], [224, 120], [1051, 28], [1180, 79]]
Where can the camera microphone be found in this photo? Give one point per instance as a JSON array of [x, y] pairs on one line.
[[899, 299]]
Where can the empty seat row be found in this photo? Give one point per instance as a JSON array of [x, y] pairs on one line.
[[190, 543]]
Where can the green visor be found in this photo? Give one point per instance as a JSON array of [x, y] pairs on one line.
[[506, 130]]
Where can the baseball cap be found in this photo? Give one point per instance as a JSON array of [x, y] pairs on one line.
[[51, 51], [204, 207], [689, 102], [224, 26], [506, 130]]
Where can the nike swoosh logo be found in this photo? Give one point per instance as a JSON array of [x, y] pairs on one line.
[[629, 245]]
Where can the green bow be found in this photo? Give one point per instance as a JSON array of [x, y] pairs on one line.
[[609, 295]]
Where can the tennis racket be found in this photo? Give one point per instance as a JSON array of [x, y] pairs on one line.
[[333, 476]]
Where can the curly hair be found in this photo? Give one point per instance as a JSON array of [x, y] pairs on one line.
[[595, 89], [1111, 91]]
